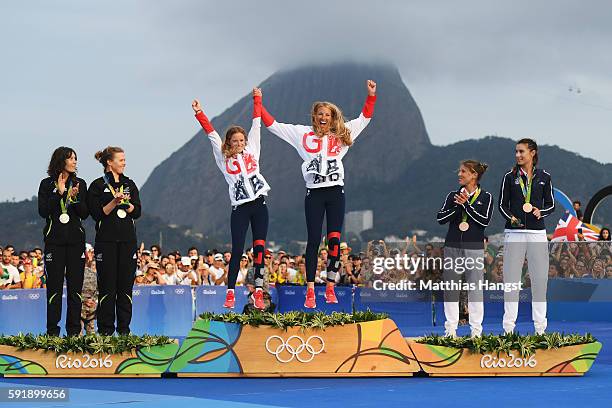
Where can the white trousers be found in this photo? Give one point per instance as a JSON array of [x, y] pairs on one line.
[[473, 275], [534, 245]]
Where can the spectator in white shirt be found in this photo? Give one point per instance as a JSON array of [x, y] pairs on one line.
[[217, 272], [244, 269], [187, 275], [9, 275], [171, 277]]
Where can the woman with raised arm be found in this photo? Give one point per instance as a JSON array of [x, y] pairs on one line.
[[322, 146], [237, 156], [467, 212], [114, 204], [526, 197], [62, 203]]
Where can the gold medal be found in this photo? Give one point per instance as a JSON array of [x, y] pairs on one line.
[[464, 226], [121, 213], [527, 207]]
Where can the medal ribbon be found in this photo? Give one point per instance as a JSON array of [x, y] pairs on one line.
[[472, 201], [64, 204], [526, 191], [112, 190]]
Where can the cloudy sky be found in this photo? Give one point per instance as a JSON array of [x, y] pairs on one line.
[[90, 74]]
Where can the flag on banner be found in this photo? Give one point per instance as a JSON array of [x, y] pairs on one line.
[[567, 230]]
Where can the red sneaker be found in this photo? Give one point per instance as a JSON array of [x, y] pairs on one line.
[[257, 297], [330, 295], [230, 299], [310, 302]]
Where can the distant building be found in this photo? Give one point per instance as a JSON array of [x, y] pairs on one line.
[[357, 221]]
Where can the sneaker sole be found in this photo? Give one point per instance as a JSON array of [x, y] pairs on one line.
[[258, 308]]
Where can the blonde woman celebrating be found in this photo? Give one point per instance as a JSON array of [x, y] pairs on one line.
[[322, 146]]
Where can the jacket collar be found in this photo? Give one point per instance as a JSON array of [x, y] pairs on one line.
[[111, 178], [522, 172]]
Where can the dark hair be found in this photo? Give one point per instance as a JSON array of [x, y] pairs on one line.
[[577, 202], [192, 248], [560, 272], [103, 156], [475, 166], [156, 247], [58, 161], [601, 234], [531, 145]]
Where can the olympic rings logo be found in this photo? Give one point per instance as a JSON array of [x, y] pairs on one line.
[[179, 291], [294, 350], [34, 296], [136, 292]]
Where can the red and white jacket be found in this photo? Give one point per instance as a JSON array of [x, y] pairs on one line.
[[322, 156], [242, 170]]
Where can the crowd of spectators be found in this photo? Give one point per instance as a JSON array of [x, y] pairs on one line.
[[211, 267], [25, 269], [21, 270]]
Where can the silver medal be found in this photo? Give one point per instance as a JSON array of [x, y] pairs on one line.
[[121, 213], [64, 218]]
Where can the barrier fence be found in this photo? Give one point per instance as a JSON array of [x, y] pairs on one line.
[[171, 310]]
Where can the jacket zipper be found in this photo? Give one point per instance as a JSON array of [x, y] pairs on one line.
[[50, 225]]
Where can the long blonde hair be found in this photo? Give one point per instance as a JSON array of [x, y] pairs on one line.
[[337, 126], [226, 149]]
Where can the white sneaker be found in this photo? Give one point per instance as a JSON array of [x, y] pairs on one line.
[[450, 333]]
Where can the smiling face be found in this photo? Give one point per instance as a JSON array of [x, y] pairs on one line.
[[70, 165], [237, 142], [466, 176], [524, 156], [117, 163], [324, 117]]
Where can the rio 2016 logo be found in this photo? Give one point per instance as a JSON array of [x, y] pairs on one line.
[[490, 361], [87, 361]]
